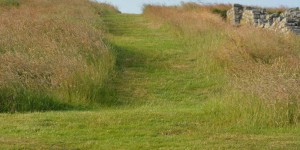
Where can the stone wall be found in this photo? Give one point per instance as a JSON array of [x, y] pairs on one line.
[[235, 14], [289, 21]]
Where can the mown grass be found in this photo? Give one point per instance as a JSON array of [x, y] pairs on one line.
[[135, 128], [176, 88]]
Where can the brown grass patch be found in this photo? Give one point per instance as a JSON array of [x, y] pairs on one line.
[[53, 46]]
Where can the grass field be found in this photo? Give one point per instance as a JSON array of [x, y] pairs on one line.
[[177, 84]]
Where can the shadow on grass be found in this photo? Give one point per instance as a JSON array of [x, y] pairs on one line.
[[22, 100], [18, 99], [105, 96], [127, 58], [129, 63]]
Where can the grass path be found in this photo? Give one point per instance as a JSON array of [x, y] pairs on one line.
[[161, 89], [155, 66]]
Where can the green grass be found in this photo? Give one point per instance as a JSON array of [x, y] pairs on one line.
[[141, 128], [23, 100], [222, 13], [160, 66], [168, 95], [9, 2]]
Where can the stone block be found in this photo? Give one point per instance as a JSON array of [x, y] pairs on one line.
[[296, 31], [291, 24], [248, 8], [275, 15], [295, 27], [256, 12], [293, 9], [238, 5], [291, 20]]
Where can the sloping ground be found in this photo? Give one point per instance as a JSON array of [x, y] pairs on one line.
[[161, 88], [164, 96], [155, 65], [52, 55]]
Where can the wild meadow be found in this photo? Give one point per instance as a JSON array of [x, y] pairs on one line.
[[258, 70], [76, 74], [53, 55]]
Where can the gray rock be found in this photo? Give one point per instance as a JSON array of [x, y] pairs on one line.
[[284, 22], [291, 24], [238, 5]]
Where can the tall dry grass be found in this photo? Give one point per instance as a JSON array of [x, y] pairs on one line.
[[52, 47], [261, 66]]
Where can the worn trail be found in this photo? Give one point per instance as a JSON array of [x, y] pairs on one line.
[[155, 65]]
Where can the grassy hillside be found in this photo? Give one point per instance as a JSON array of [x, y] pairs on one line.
[[52, 55], [182, 79], [261, 67]]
